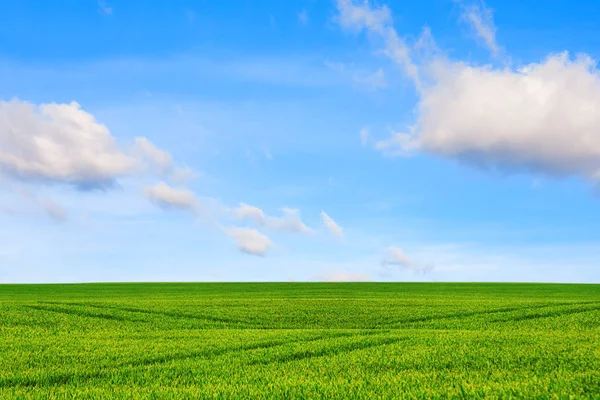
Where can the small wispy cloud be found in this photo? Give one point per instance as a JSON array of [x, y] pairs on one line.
[[396, 257], [373, 81], [333, 227], [335, 65], [359, 76], [190, 15], [54, 210], [303, 17], [377, 21], [267, 153], [104, 8], [481, 20], [364, 136]]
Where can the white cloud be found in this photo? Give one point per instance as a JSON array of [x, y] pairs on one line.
[[395, 256], [61, 143], [330, 224], [245, 211], [341, 276], [58, 143], [480, 19], [544, 117], [303, 17], [160, 161], [290, 221], [250, 240], [167, 197], [363, 16]]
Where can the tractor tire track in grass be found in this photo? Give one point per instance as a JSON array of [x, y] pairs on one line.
[[82, 313], [461, 315], [207, 354], [328, 351], [213, 353], [177, 315], [548, 314]]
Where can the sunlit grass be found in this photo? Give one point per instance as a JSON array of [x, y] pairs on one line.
[[299, 341]]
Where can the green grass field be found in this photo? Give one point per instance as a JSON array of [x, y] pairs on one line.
[[300, 340]]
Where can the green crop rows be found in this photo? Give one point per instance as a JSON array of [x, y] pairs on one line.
[[296, 340]]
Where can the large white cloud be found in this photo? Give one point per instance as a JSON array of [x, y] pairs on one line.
[[62, 143], [167, 197], [543, 117], [290, 221], [58, 143], [249, 240]]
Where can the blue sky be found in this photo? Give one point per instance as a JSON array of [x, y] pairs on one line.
[[304, 140]]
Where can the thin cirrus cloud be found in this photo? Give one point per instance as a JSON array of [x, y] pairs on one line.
[[396, 257], [541, 117], [104, 8], [377, 21], [303, 17], [365, 136], [48, 206], [370, 80], [481, 20], [332, 226], [54, 210]]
